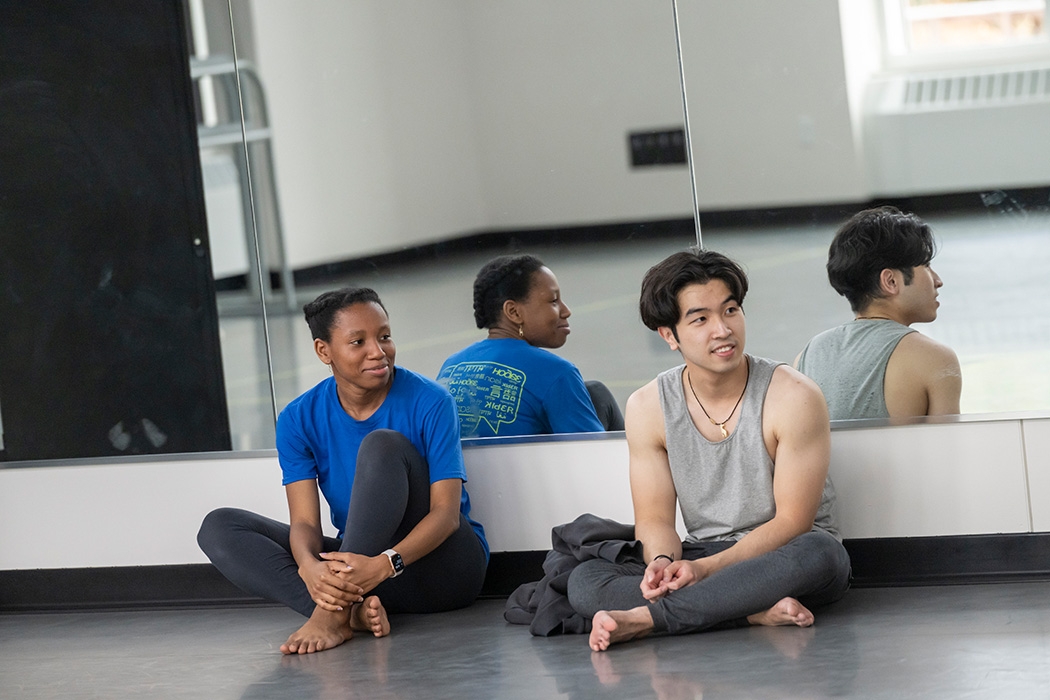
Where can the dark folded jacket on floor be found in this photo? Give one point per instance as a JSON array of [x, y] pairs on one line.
[[543, 605]]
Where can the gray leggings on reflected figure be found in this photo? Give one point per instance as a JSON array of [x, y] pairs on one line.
[[391, 494], [814, 568]]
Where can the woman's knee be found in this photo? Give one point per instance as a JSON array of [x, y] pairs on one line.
[[384, 441], [216, 528]]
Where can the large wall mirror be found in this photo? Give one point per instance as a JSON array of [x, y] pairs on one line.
[[399, 146]]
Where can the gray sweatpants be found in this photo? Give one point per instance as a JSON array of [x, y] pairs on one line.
[[814, 568]]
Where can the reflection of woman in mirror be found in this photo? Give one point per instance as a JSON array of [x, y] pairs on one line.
[[381, 443], [508, 383]]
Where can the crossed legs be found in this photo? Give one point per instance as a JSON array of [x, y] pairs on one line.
[[391, 494], [773, 589]]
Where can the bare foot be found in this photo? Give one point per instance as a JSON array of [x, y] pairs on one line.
[[323, 630], [370, 616], [787, 611], [615, 626]]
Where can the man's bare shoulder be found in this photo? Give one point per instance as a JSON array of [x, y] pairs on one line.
[[916, 349], [788, 385], [644, 397], [643, 418], [794, 399], [923, 377]]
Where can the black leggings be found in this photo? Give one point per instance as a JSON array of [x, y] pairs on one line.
[[391, 494], [605, 405]]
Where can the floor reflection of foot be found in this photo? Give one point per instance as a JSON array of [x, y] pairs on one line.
[[327, 670], [603, 668], [790, 642], [675, 686]]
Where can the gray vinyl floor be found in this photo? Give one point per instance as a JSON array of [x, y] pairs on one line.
[[985, 641], [995, 311]]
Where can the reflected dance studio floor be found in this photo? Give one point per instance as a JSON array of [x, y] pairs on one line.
[[990, 641], [995, 312]]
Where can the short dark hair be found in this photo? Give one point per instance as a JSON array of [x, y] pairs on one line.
[[320, 313], [502, 278], [658, 304], [874, 240]]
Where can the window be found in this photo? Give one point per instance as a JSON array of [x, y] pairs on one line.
[[917, 27]]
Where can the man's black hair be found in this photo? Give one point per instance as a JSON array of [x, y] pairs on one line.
[[658, 304], [874, 240]]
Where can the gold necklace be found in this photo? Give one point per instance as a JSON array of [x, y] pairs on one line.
[[721, 425]]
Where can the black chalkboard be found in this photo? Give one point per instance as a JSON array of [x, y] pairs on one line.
[[109, 338]]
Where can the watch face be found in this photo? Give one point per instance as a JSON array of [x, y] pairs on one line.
[[396, 561]]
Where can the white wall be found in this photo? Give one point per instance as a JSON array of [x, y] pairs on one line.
[[1037, 454], [974, 477], [126, 514]]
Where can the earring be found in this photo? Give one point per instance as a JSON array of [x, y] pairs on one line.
[[521, 330]]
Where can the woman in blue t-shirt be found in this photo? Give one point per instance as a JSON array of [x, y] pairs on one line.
[[508, 383], [382, 445]]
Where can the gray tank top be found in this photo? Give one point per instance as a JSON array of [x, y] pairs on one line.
[[848, 363], [725, 489]]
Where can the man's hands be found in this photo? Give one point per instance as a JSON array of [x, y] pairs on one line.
[[663, 576]]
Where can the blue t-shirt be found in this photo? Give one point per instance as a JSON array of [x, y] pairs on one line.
[[317, 439], [507, 387]]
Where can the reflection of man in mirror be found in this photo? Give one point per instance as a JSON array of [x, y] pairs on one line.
[[877, 366], [742, 445]]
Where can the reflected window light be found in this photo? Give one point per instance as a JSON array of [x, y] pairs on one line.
[[929, 26]]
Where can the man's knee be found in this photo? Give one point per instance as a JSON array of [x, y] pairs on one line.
[[579, 591], [585, 584], [823, 554]]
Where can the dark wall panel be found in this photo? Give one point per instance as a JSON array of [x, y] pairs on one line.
[[108, 327]]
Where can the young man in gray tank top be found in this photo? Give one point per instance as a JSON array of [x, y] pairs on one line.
[[877, 366], [742, 445]]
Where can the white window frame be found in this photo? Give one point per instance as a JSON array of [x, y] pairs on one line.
[[898, 56]]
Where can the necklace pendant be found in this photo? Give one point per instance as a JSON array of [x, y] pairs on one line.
[[722, 427]]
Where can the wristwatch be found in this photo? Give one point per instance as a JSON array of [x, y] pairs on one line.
[[396, 562]]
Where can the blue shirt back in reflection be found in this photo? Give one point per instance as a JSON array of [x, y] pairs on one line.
[[507, 387]]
